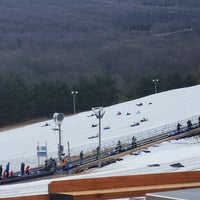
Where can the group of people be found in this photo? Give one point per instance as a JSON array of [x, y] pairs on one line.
[[189, 124], [133, 144], [7, 173], [65, 164], [4, 174], [25, 170]]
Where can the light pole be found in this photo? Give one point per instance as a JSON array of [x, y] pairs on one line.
[[74, 93], [58, 118], [155, 84], [98, 111]]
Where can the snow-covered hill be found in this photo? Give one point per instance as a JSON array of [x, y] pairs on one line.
[[161, 109]]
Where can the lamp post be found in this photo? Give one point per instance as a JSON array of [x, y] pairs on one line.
[[98, 111], [74, 93], [155, 84], [58, 118]]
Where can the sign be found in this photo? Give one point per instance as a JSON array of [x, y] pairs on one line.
[[41, 148], [42, 154]]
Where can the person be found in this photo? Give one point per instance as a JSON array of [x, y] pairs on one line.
[[47, 164], [81, 157], [11, 174], [4, 174], [7, 169], [199, 121], [134, 142], [22, 168], [63, 163], [94, 125], [50, 165], [135, 124], [46, 124], [54, 164], [106, 128], [27, 170], [178, 127], [189, 124], [97, 156], [119, 146], [94, 136], [119, 113], [143, 119], [1, 170], [138, 112], [67, 168]]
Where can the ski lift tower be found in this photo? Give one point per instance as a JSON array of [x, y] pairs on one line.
[[58, 118]]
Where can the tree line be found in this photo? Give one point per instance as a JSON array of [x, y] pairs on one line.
[[21, 100]]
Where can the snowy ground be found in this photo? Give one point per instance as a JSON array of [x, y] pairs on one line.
[[168, 107]]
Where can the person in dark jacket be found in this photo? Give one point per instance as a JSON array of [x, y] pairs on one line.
[[189, 124], [119, 146], [1, 170], [22, 168], [97, 156], [7, 169], [81, 157], [178, 127], [134, 142]]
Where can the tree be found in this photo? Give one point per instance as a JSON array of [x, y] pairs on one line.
[[15, 100], [98, 91]]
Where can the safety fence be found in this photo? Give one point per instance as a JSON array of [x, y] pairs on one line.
[[159, 132]]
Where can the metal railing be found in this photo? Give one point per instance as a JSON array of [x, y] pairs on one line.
[[143, 138]]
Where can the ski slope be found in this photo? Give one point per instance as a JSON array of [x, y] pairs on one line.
[[19, 145]]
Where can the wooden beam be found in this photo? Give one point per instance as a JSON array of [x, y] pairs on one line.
[[123, 181], [120, 192], [32, 197]]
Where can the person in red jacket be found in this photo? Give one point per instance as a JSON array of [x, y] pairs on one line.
[[4, 174], [27, 170], [11, 173]]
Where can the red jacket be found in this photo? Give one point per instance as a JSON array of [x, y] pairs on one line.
[[27, 169]]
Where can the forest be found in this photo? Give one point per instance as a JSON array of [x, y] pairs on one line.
[[107, 50]]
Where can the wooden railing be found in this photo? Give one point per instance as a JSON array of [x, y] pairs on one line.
[[33, 197], [116, 187], [122, 186]]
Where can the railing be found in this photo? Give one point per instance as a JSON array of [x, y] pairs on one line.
[[158, 133], [143, 138]]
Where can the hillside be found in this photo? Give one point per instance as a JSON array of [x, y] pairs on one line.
[[49, 48], [65, 39], [167, 108], [165, 111]]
